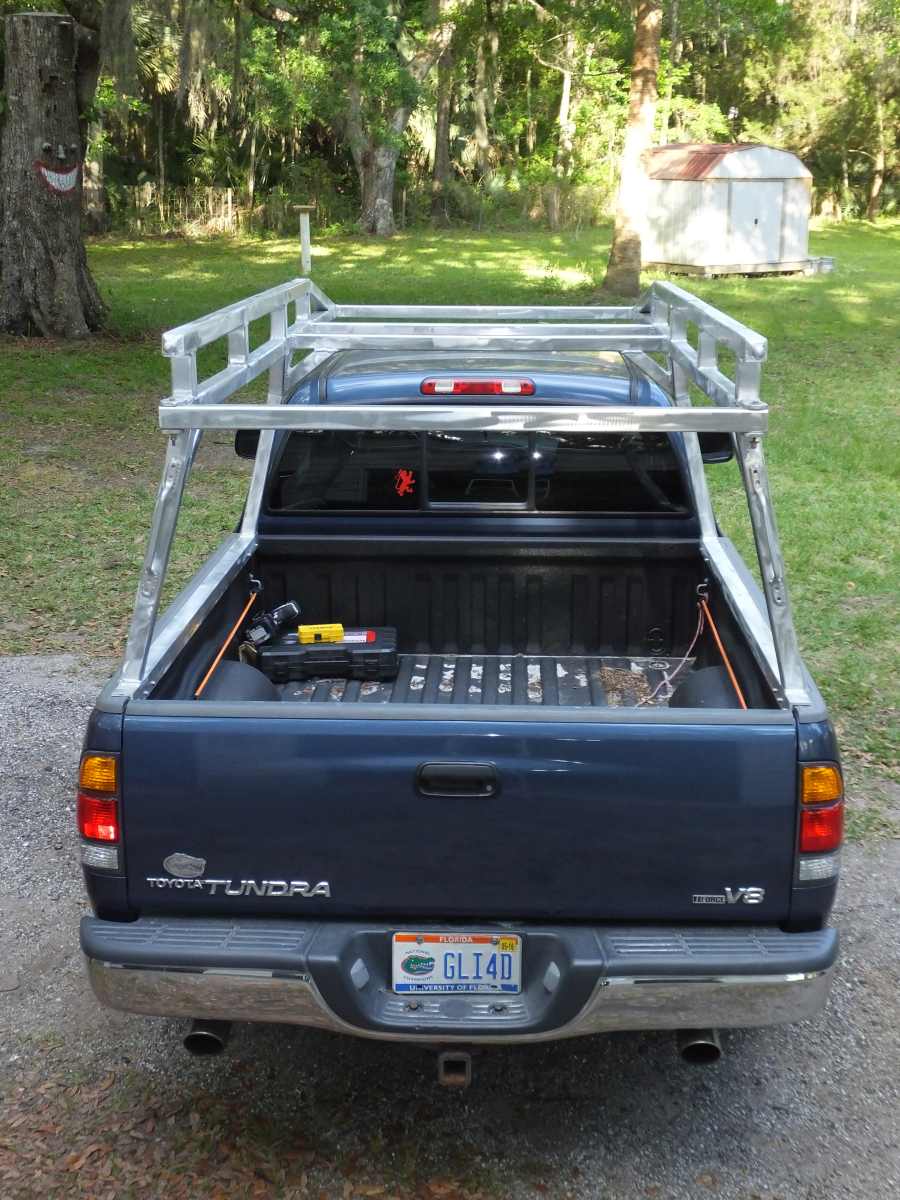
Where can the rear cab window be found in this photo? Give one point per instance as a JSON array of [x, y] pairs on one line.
[[545, 473], [382, 472]]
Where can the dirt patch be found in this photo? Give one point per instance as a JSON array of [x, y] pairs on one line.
[[873, 804], [119, 1135], [623, 688]]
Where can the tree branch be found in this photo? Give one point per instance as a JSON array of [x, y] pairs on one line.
[[274, 14], [543, 14]]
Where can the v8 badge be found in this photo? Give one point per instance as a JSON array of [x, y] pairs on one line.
[[737, 895]]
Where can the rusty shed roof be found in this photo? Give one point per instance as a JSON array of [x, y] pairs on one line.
[[690, 160]]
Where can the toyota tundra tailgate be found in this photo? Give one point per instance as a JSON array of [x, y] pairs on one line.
[[688, 815]]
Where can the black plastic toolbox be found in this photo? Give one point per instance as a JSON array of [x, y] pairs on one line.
[[370, 656]]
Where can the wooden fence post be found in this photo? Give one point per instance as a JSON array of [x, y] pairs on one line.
[[305, 243]]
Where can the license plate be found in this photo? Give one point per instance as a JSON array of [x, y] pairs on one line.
[[457, 962]]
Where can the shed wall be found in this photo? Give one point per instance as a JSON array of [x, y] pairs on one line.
[[727, 222], [795, 222], [686, 220]]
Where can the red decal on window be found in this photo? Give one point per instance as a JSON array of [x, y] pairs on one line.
[[404, 482]]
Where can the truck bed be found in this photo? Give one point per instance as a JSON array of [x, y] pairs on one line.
[[482, 624], [551, 681]]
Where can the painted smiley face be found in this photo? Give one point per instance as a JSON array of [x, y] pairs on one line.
[[58, 168]]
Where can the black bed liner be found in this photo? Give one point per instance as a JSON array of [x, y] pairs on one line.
[[548, 680]]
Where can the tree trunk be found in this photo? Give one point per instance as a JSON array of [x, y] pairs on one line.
[[376, 179], [160, 162], [565, 125], [45, 285], [440, 176], [623, 272], [481, 104], [251, 173], [484, 97], [553, 205], [94, 209], [845, 199], [531, 122], [675, 53], [873, 206], [237, 47], [376, 164]]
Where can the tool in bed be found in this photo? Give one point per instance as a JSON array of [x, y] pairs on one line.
[[268, 624], [366, 654]]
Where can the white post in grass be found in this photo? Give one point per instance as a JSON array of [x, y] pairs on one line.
[[305, 244]]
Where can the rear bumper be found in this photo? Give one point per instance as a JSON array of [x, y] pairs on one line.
[[576, 979]]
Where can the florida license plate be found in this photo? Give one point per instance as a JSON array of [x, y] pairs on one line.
[[457, 962]]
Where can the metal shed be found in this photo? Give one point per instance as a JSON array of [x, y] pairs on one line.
[[726, 209]]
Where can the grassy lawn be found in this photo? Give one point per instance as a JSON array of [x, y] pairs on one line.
[[81, 453]]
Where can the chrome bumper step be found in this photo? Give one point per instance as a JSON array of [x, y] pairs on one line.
[[577, 979]]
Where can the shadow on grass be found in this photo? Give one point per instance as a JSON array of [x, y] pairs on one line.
[[161, 284]]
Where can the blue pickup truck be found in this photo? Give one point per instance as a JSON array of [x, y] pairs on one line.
[[477, 728]]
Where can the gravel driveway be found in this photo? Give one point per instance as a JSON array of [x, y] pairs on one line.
[[93, 1103]]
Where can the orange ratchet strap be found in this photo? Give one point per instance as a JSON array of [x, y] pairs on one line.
[[226, 644], [725, 658]]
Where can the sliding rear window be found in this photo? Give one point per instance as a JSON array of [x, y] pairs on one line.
[[504, 472]]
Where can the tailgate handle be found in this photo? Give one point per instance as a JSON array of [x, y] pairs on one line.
[[457, 779]]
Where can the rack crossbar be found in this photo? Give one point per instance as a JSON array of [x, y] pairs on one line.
[[373, 335], [444, 417], [483, 312]]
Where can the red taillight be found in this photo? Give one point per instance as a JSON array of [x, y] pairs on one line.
[[821, 829], [477, 387], [98, 818]]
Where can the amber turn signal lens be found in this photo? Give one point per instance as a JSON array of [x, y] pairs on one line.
[[821, 784], [98, 773]]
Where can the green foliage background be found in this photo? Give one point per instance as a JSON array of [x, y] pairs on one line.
[[254, 96]]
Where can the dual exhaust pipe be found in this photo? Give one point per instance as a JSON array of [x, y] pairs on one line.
[[699, 1047], [206, 1038]]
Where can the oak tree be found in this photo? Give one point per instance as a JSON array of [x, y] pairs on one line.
[[45, 285]]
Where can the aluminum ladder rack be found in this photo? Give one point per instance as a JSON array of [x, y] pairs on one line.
[[652, 335]]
